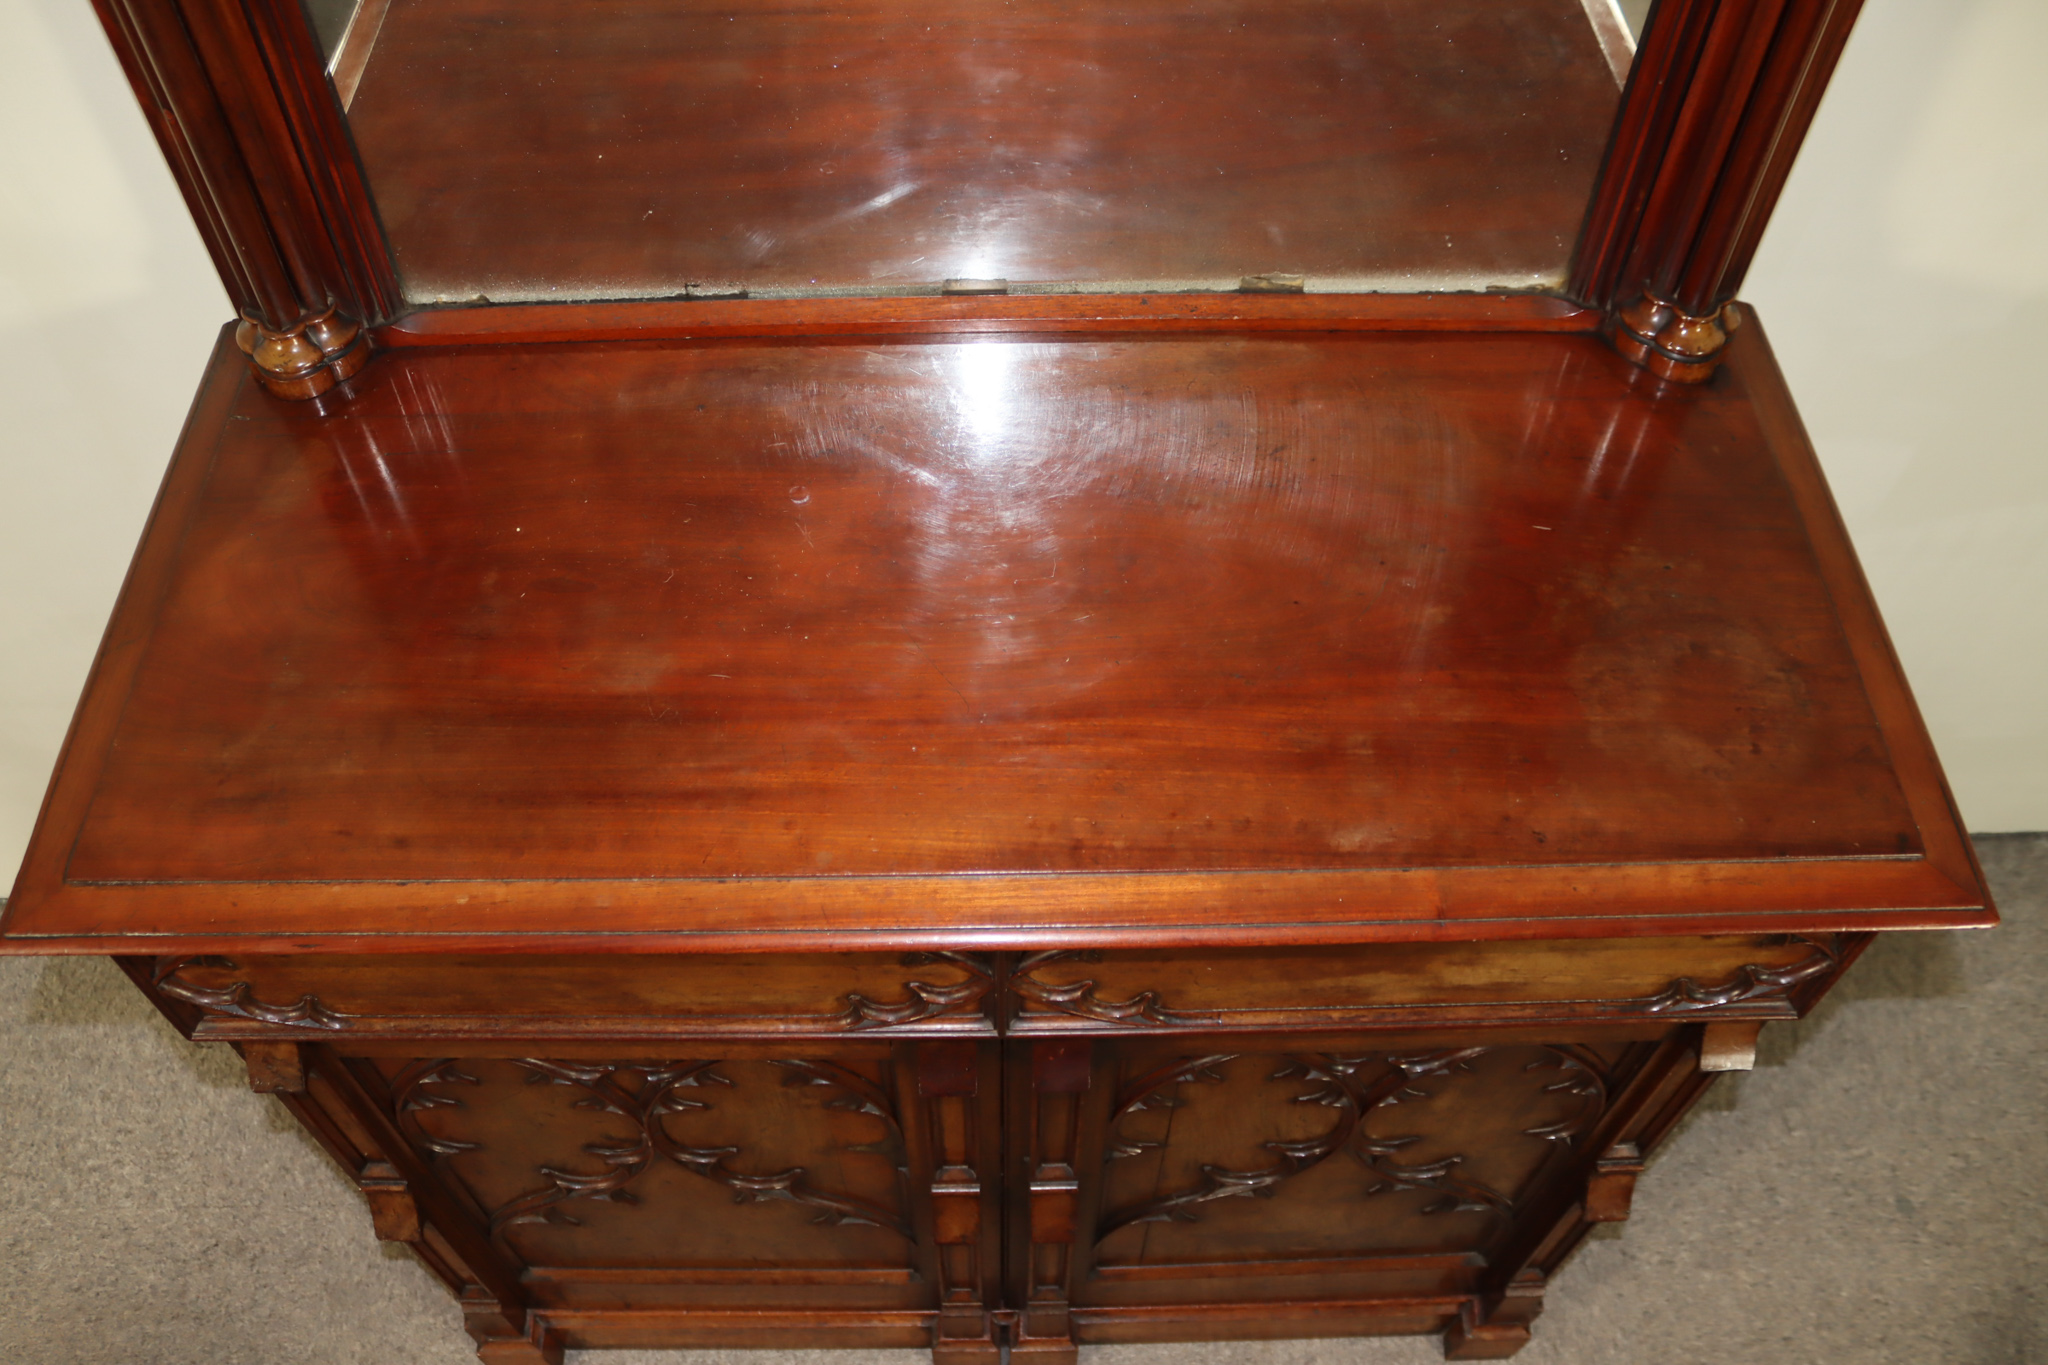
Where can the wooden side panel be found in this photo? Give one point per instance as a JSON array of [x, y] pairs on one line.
[[408, 1201]]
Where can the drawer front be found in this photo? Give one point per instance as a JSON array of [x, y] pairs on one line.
[[1398, 985], [582, 996], [1409, 985]]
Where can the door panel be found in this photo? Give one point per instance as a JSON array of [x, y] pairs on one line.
[[1264, 1169], [773, 1181]]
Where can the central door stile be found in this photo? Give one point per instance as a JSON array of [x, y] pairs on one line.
[[957, 1154], [1054, 1129]]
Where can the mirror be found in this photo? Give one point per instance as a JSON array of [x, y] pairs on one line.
[[769, 148], [347, 31]]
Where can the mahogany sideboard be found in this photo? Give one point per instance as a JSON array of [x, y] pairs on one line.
[[977, 816]]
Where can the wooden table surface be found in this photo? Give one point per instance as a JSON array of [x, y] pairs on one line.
[[1222, 638], [632, 148]]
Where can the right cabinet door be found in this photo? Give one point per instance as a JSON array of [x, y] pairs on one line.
[[1171, 1187]]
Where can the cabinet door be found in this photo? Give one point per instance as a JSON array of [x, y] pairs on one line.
[[1174, 1187], [805, 1192]]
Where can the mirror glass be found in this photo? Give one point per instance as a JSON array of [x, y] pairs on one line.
[[627, 149]]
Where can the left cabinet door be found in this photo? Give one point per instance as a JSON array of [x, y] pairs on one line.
[[648, 1150], [782, 1193]]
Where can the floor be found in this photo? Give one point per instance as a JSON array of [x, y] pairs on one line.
[[1871, 1193]]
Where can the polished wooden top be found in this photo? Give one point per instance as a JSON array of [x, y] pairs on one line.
[[993, 640], [634, 148]]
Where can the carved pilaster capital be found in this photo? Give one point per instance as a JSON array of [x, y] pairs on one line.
[[1669, 342], [307, 359]]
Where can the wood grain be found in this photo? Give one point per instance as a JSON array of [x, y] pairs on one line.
[[1071, 810], [926, 637]]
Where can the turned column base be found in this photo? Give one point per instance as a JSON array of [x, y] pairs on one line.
[[1654, 333], [306, 360]]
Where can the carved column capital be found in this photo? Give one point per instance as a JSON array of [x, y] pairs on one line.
[[308, 358]]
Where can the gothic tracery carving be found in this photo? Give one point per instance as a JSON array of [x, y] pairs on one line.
[[1356, 1089], [1079, 998], [647, 1109], [1749, 983], [237, 999], [925, 1000]]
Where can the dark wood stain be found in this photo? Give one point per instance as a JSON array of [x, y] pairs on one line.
[[990, 822]]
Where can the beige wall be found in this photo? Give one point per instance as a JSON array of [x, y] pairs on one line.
[[1903, 285], [1904, 282], [108, 304]]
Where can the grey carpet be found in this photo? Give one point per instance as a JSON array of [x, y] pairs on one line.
[[1873, 1192]]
